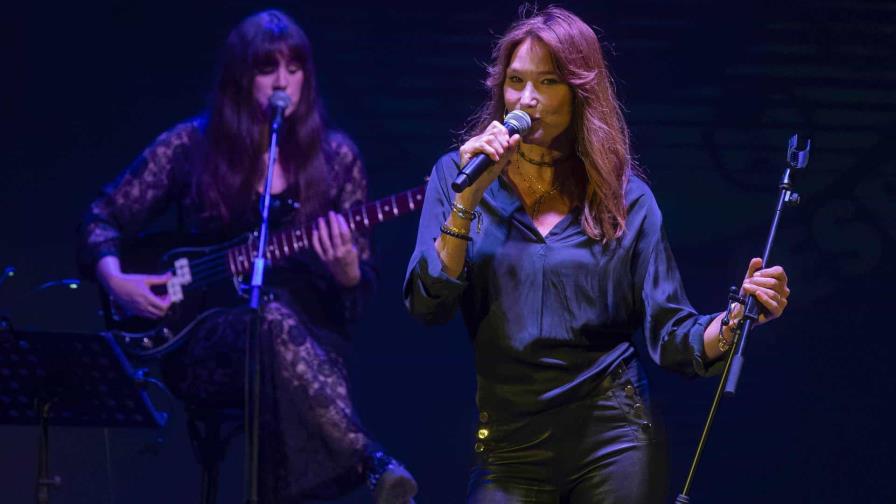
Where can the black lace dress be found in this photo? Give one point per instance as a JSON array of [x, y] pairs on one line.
[[312, 445]]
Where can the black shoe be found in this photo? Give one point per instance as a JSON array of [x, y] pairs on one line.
[[389, 481]]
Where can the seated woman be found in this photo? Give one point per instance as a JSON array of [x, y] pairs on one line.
[[212, 169]]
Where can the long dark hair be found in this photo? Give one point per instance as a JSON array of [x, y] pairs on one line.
[[237, 128], [601, 136]]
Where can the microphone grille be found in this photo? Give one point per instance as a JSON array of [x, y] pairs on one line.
[[519, 120], [279, 99]]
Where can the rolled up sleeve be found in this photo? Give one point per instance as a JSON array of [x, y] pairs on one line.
[[672, 328], [430, 294]]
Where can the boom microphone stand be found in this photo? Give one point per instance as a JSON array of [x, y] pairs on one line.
[[797, 160], [278, 104]]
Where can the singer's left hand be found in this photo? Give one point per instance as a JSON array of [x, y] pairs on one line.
[[769, 286], [332, 240]]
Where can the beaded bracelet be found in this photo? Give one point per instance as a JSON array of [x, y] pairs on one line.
[[455, 233]]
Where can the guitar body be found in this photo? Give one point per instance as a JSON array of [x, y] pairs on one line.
[[218, 290]]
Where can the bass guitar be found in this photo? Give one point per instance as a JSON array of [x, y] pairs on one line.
[[208, 279]]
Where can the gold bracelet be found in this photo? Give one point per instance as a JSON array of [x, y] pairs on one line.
[[724, 345], [455, 232]]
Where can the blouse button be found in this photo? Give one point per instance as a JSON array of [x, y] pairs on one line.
[[483, 416], [479, 447], [482, 434], [638, 408], [629, 390]]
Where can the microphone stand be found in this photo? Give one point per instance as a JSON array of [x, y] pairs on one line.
[[797, 160], [253, 361]]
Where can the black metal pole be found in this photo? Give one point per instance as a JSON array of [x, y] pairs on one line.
[[253, 359], [44, 482], [751, 308], [734, 363], [683, 496]]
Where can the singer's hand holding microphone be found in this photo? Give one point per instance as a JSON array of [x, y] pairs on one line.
[[482, 159], [485, 156]]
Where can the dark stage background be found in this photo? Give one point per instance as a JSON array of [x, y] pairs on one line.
[[712, 90]]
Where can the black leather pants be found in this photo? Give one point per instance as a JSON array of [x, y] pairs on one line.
[[605, 449]]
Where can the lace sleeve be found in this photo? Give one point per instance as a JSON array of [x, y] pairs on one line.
[[142, 192], [352, 185], [352, 191], [429, 293]]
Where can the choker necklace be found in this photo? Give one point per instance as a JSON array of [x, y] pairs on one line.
[[538, 162]]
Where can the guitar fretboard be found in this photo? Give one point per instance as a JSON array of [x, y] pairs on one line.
[[286, 242]]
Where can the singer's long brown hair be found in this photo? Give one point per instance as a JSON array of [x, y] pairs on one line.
[[237, 128], [600, 132]]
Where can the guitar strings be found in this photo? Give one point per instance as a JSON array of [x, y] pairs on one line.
[[205, 280], [206, 269], [198, 267], [217, 256]]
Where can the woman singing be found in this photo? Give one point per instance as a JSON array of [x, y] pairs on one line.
[[557, 257], [212, 171]]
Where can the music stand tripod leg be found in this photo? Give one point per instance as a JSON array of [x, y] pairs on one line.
[[44, 482]]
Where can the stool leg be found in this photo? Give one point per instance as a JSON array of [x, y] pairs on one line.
[[209, 491], [209, 442]]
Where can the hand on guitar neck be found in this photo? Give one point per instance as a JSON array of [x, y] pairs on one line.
[[332, 241], [133, 292]]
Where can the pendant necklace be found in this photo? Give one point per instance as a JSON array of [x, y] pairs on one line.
[[534, 186]]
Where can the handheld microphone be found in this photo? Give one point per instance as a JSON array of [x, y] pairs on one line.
[[517, 123], [277, 104]]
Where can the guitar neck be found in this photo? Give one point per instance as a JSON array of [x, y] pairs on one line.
[[286, 242]]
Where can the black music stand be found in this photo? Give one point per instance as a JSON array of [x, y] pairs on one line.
[[71, 379]]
